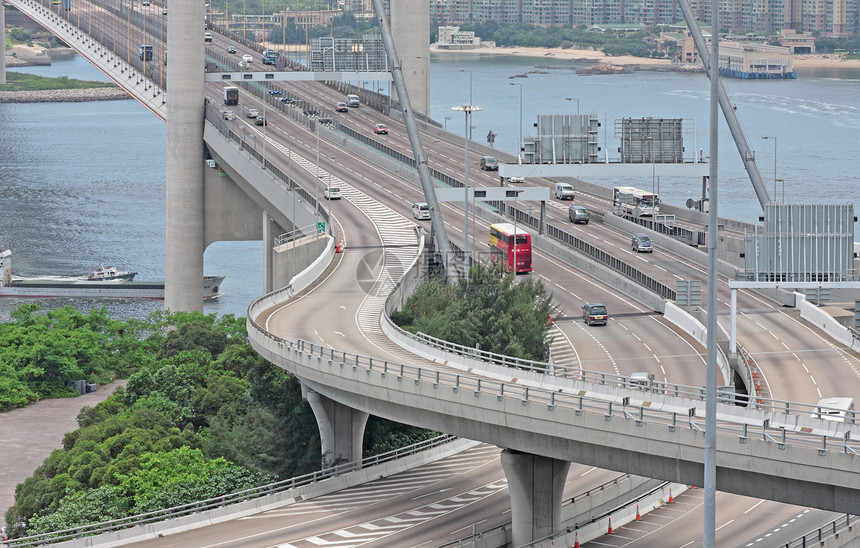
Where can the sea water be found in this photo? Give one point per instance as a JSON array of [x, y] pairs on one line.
[[83, 183]]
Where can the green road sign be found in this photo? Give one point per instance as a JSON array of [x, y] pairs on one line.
[[321, 227]]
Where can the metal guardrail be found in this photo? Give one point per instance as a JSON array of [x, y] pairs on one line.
[[232, 498], [685, 235], [582, 400], [576, 498], [816, 537], [696, 393], [214, 117], [295, 234]]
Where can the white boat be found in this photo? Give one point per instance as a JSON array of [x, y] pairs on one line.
[[70, 287], [110, 273]]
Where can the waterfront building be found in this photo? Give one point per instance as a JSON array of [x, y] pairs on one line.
[[451, 37], [760, 61]]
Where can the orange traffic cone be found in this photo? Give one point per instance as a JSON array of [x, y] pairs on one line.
[[638, 517], [576, 539], [609, 532], [671, 500]]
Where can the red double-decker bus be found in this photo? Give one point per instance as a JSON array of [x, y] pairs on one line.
[[504, 251]]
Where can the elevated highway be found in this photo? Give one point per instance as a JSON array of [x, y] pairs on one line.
[[240, 160]]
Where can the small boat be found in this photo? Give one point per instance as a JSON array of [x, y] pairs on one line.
[[110, 273]]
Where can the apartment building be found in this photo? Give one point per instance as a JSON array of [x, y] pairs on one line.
[[829, 17]]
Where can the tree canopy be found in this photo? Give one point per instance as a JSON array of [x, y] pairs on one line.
[[201, 415], [490, 309]]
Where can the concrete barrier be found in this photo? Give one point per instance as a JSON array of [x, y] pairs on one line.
[[824, 321]]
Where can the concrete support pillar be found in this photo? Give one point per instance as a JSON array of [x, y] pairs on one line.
[[411, 32], [184, 218], [536, 487], [2, 44], [268, 263], [341, 428]]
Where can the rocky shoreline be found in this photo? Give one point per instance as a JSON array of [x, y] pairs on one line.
[[605, 68], [25, 56], [64, 95]]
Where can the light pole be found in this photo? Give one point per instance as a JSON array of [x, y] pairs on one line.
[[330, 164], [573, 99], [265, 122], [446, 122], [520, 142], [774, 165], [516, 197], [468, 109], [317, 182]]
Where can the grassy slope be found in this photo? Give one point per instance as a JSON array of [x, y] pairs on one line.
[[16, 81]]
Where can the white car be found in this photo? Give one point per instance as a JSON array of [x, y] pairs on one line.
[[247, 58], [331, 193], [253, 113]]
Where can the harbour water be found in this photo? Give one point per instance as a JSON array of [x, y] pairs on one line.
[[83, 183]]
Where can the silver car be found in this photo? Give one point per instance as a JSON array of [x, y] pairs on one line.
[[578, 214], [641, 243]]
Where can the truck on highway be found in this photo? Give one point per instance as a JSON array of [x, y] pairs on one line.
[[145, 52], [231, 95], [270, 57]]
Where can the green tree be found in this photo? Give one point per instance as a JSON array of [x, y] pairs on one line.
[[491, 310]]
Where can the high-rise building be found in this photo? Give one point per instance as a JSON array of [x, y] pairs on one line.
[[829, 17]]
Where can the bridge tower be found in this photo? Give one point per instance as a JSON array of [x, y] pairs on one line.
[[410, 27], [184, 217]]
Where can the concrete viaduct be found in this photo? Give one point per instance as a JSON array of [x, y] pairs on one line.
[[543, 422]]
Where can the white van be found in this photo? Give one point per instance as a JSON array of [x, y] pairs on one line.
[[421, 211], [835, 409], [332, 193], [353, 101], [564, 191], [640, 380]]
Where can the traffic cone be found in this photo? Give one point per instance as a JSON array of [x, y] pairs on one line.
[[638, 517], [609, 532], [671, 500], [576, 539]]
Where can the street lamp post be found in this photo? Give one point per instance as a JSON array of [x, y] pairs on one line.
[[520, 142], [516, 197], [774, 165], [446, 122], [265, 121], [573, 99], [468, 109], [317, 181]]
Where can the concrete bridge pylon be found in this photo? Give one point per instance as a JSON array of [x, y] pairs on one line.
[[410, 28], [184, 216]]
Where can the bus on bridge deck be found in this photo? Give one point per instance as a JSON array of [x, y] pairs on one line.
[[504, 251]]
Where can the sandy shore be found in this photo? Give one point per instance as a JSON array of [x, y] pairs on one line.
[[814, 60]]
